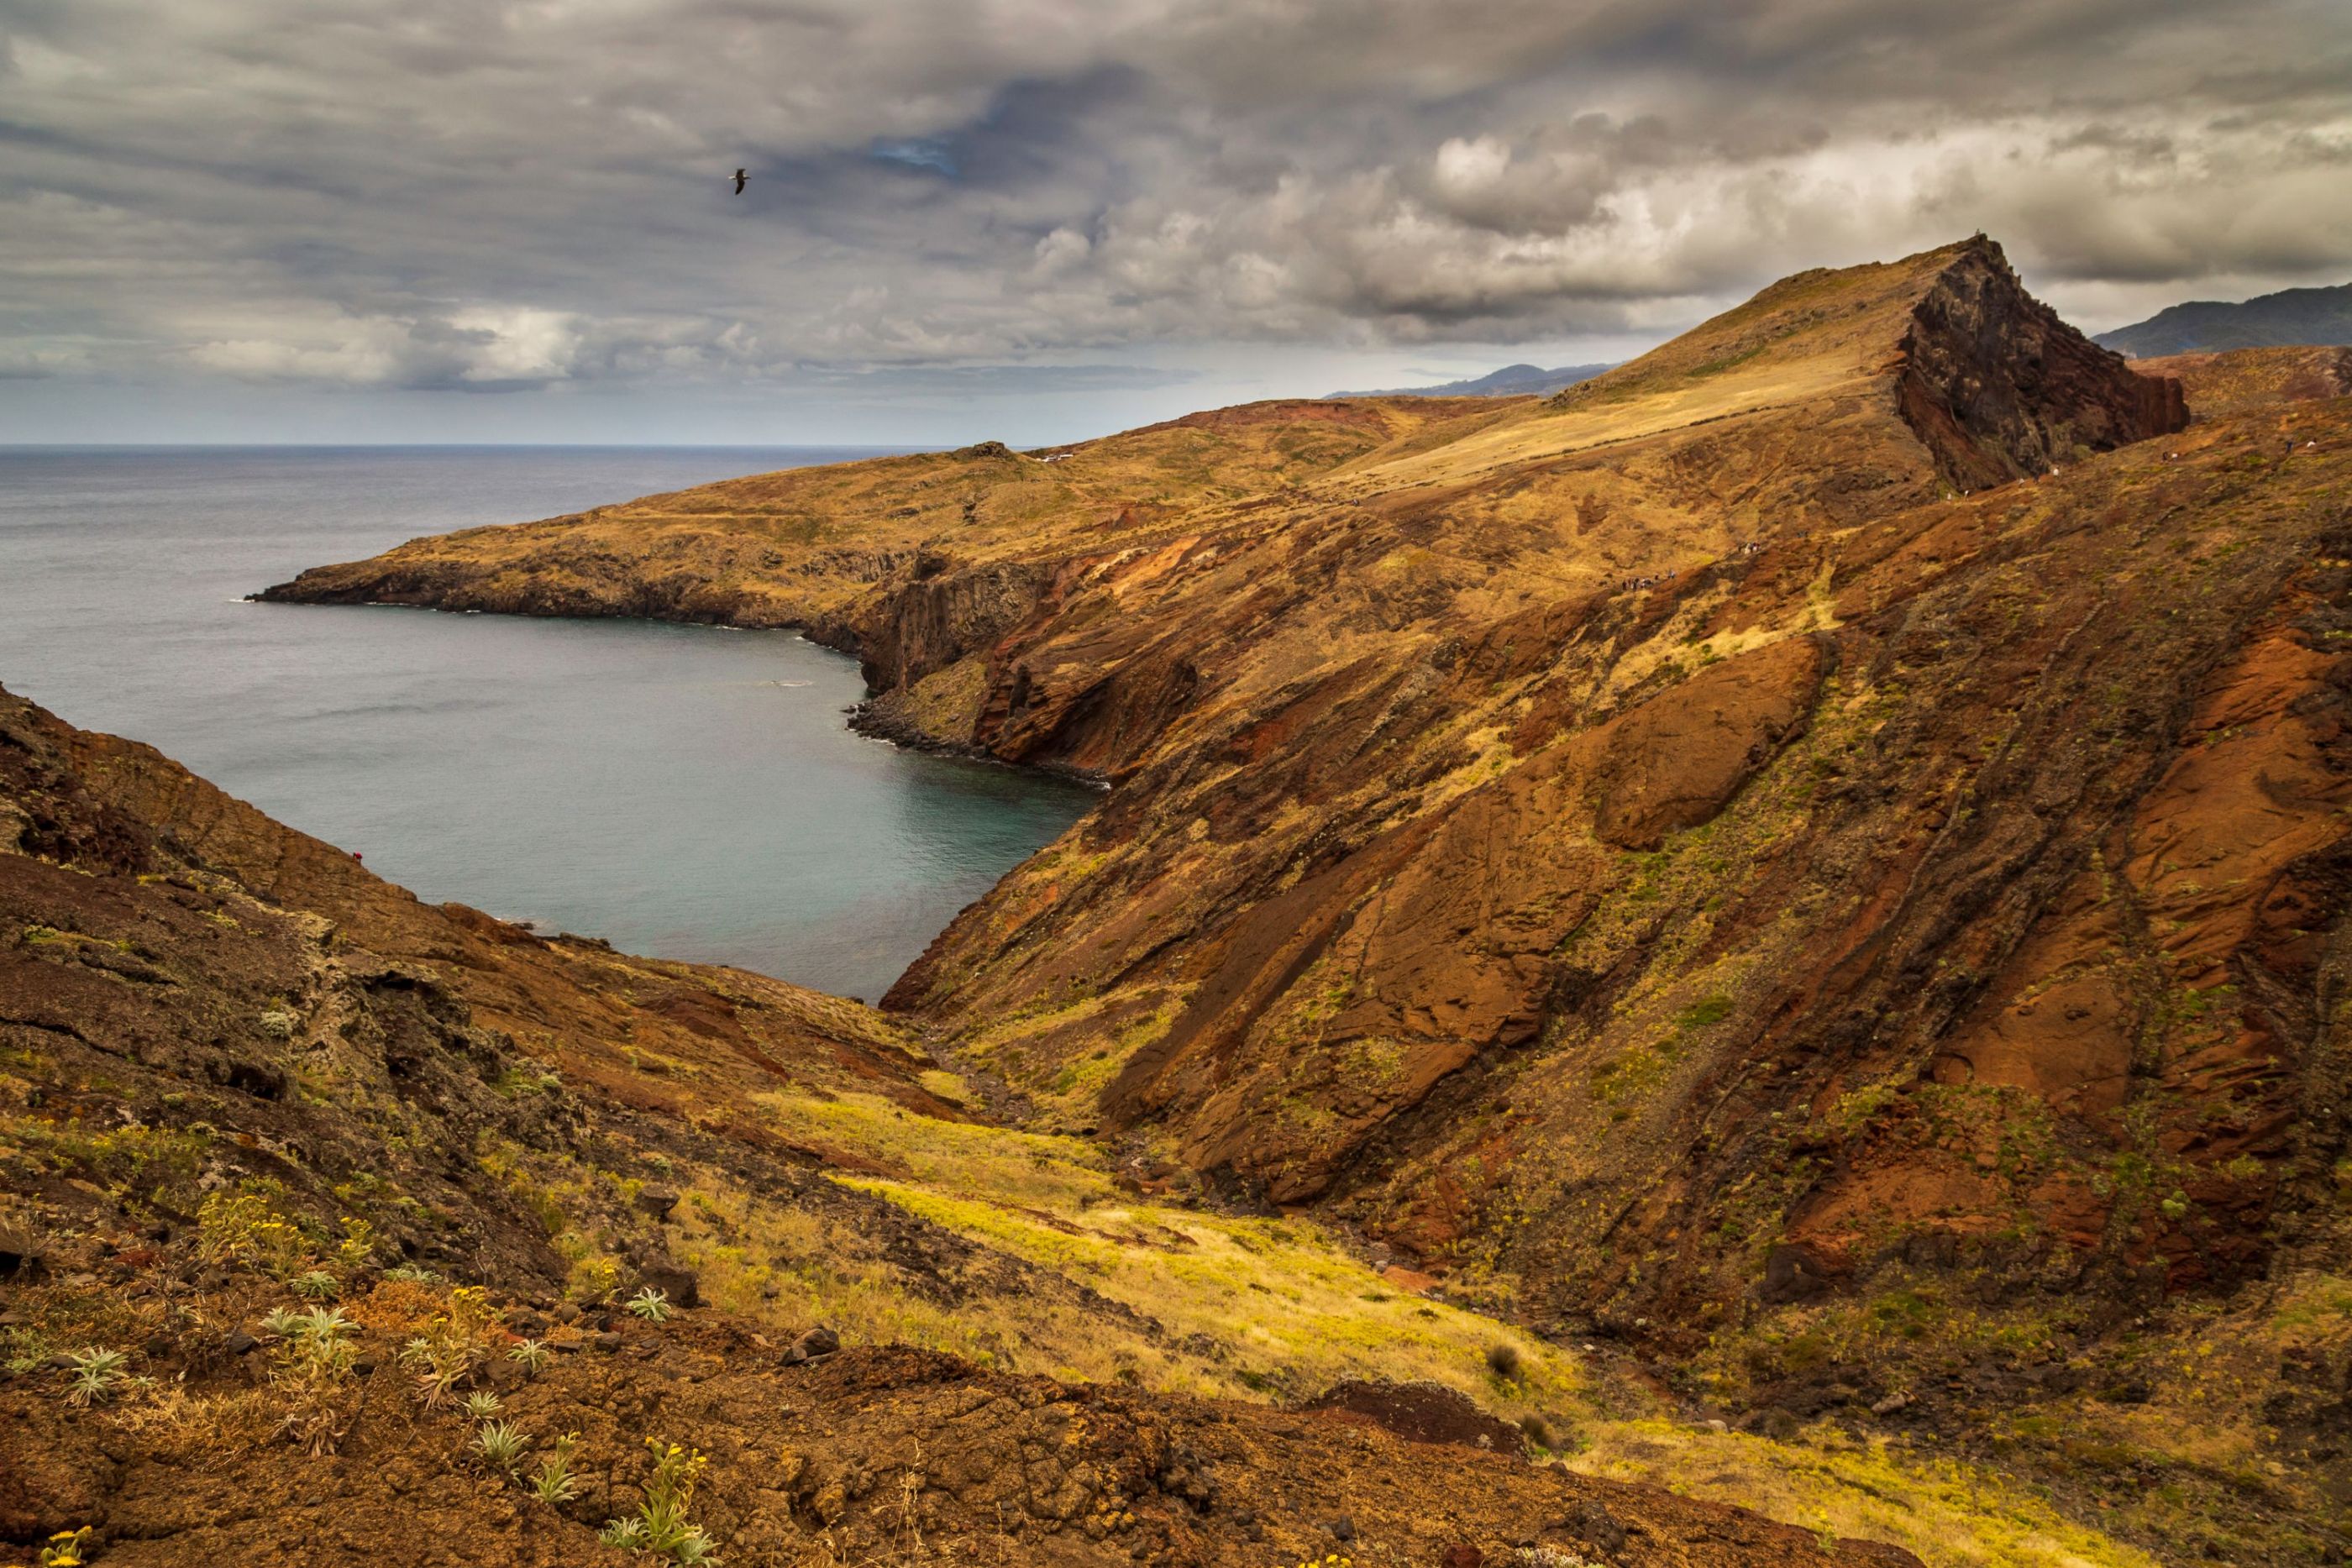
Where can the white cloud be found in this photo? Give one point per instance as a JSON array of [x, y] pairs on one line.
[[439, 193]]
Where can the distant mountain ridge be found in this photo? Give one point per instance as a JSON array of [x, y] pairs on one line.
[[2291, 316], [1511, 380]]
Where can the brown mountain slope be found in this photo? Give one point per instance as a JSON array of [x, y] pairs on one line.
[[237, 1073], [243, 1080], [2243, 380]]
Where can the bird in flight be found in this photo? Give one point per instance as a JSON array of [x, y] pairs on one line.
[[739, 181]]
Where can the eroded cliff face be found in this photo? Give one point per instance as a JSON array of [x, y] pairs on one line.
[[1998, 388]]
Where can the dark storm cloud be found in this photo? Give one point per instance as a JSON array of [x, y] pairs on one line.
[[453, 194]]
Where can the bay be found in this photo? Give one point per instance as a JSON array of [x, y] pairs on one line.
[[687, 792]]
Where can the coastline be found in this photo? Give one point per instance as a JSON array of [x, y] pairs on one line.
[[869, 717]]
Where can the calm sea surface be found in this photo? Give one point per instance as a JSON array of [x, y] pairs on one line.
[[683, 792]]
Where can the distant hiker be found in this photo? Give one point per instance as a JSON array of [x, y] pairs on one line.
[[355, 855], [739, 181]]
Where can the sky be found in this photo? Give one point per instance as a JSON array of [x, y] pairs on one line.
[[1037, 220]]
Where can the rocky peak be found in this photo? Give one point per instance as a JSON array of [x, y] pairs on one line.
[[2000, 388]]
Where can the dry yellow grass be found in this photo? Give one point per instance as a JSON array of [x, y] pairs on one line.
[[1950, 1515], [1274, 1309]]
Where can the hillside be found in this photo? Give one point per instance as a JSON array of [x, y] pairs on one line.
[[2245, 379], [309, 1192], [2290, 317], [1511, 380], [1812, 857]]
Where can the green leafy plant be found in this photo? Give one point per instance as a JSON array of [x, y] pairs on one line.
[[651, 1304], [413, 1274], [95, 1375], [502, 1443], [317, 1285], [555, 1482], [532, 1355], [481, 1407], [25, 1350], [313, 1358], [662, 1525], [627, 1534]]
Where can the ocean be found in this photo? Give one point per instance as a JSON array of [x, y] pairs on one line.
[[686, 793]]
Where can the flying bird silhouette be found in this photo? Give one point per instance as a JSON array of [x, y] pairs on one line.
[[739, 181]]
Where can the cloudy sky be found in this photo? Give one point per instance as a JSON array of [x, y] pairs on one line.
[[1036, 219]]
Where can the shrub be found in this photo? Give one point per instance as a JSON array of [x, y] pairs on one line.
[[1503, 1361], [651, 1304], [321, 1326], [1700, 1014], [439, 1380], [453, 1345], [242, 1229], [313, 1358]]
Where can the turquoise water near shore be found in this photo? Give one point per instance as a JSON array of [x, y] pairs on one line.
[[683, 791]]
